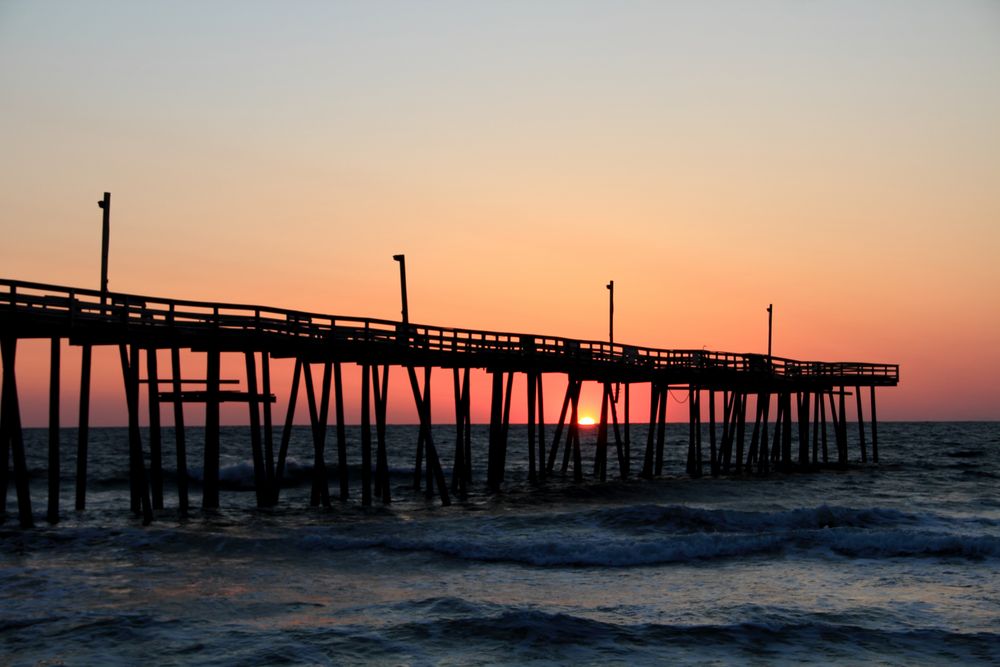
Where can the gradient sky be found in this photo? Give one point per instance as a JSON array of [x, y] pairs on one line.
[[839, 159]]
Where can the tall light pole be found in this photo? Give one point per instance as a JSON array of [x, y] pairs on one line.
[[402, 285], [611, 312], [770, 316], [105, 205]]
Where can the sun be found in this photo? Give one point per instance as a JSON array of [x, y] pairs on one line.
[[586, 420]]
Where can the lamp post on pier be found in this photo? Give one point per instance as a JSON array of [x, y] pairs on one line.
[[402, 285], [105, 205], [611, 312], [770, 316]]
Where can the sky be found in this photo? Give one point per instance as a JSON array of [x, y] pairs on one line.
[[838, 159]]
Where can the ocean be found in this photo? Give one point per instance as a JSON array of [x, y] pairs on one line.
[[892, 564]]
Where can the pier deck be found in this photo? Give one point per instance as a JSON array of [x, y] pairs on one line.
[[137, 323]]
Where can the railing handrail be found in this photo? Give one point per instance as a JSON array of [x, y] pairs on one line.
[[178, 313]]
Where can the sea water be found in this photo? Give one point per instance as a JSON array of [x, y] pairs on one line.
[[895, 563]]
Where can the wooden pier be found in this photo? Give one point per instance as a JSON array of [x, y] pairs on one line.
[[802, 391]]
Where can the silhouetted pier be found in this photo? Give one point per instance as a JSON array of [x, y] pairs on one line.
[[812, 393]]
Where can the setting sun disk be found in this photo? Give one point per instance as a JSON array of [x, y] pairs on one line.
[[586, 421]]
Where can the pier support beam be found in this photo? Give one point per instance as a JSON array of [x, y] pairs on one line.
[[286, 432], [180, 442], [52, 515], [137, 466], [623, 467], [155, 434], [318, 416], [83, 430], [265, 370], [874, 428], [261, 484], [499, 428], [741, 423], [601, 452], [861, 426], [560, 426], [381, 391], [712, 452], [461, 469], [12, 437], [434, 470], [366, 438], [210, 468], [802, 404], [342, 470]]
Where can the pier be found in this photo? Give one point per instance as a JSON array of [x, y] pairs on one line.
[[807, 426]]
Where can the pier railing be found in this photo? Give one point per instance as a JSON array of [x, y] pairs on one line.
[[47, 310]]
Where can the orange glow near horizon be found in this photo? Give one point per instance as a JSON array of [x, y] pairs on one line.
[[707, 170], [586, 420]]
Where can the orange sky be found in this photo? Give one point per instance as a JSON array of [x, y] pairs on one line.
[[840, 160]]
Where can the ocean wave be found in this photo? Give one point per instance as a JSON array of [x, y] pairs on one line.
[[809, 637], [682, 518]]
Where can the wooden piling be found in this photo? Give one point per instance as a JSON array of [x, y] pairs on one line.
[[777, 444], [366, 438], [12, 433], [342, 471], [601, 452], [752, 453], [83, 430], [560, 426], [762, 455], [381, 391], [424, 409], [505, 427], [141, 502], [265, 369], [574, 431], [52, 515], [210, 468], [713, 454], [155, 433], [458, 484], [260, 485], [496, 414], [822, 423], [786, 432], [661, 427], [623, 467], [874, 420], [628, 430], [319, 414], [532, 402], [180, 442], [647, 464], [741, 422], [541, 426], [861, 426], [842, 428], [694, 432], [286, 432], [802, 404]]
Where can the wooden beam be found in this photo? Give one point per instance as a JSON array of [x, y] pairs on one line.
[[83, 430], [286, 432], [10, 426], [179, 436], [210, 468], [260, 485], [155, 433], [137, 467], [55, 366], [366, 438]]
